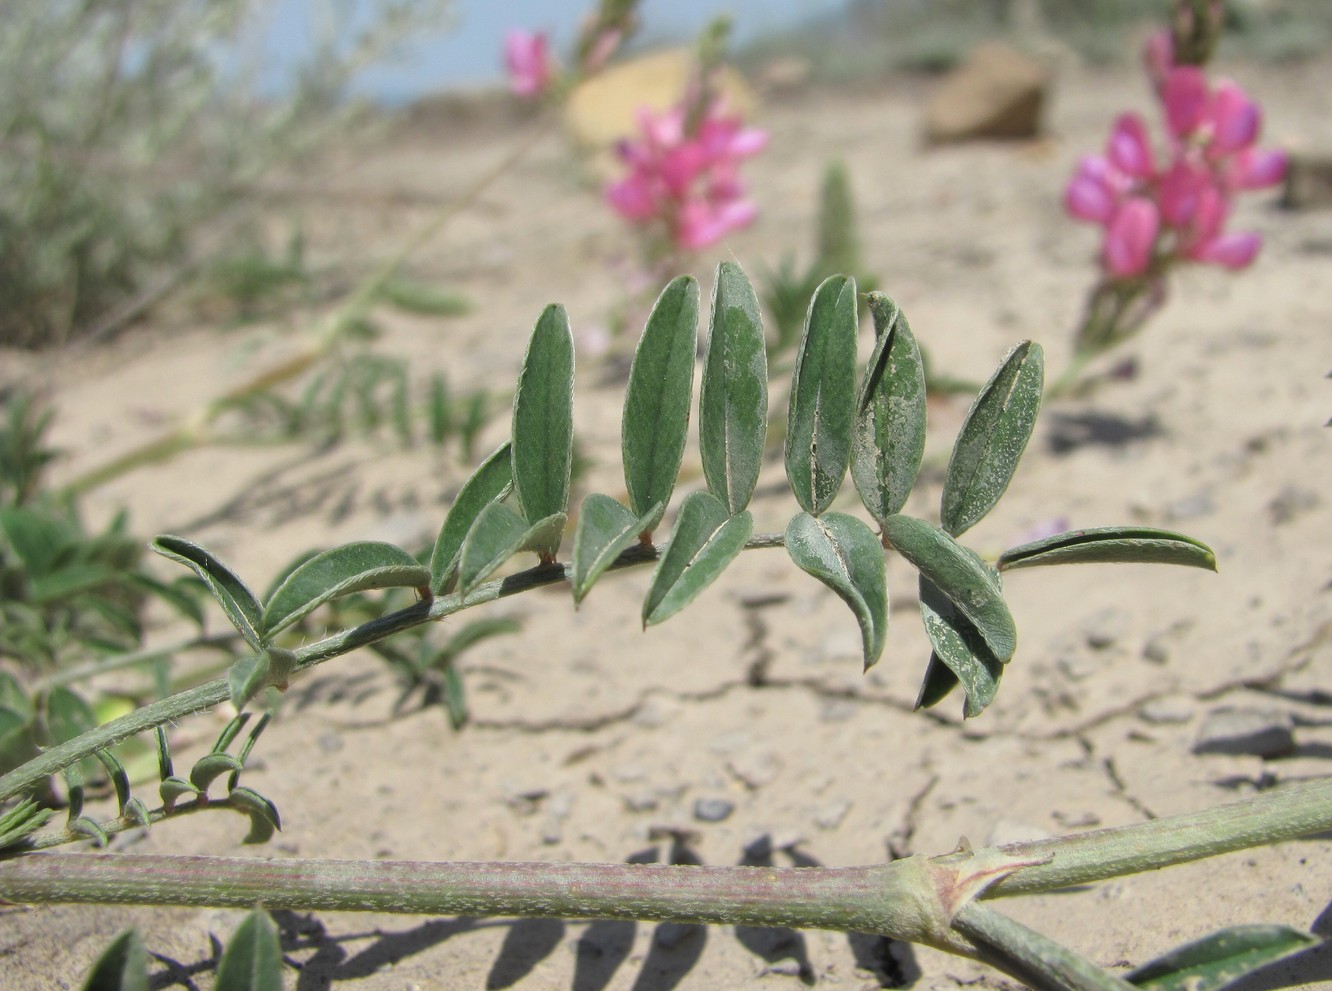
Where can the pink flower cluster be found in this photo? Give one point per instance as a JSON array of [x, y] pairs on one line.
[[687, 178], [1155, 213], [529, 62]]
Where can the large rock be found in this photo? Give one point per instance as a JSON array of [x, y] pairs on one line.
[[997, 93], [605, 108]]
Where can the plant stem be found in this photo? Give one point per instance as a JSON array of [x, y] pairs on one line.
[[1284, 813], [1032, 958], [890, 898], [212, 693]]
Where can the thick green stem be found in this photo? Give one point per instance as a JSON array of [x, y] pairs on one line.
[[894, 899]]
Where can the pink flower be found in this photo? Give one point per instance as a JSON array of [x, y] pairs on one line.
[[689, 183], [1152, 216], [1129, 238], [528, 60]]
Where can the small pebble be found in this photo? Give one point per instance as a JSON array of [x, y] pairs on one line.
[[1262, 733], [330, 743], [1167, 710], [1156, 651], [713, 809], [755, 769], [831, 815], [1106, 628]]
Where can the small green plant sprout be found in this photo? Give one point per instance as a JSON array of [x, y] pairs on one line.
[[868, 422]]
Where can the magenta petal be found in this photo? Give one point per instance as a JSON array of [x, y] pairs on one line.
[[1235, 119], [632, 198], [1179, 192], [1129, 150], [1130, 237], [1185, 99], [1233, 251], [1087, 199], [528, 60], [1258, 168]]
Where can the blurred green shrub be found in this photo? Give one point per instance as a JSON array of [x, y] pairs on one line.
[[127, 125]]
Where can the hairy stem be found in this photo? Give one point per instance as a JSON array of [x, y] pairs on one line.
[[892, 899], [1032, 958], [1284, 813]]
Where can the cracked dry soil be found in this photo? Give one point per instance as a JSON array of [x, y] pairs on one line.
[[744, 730]]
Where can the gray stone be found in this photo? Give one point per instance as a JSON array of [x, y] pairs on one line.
[[1262, 733], [1168, 710], [713, 809], [754, 769], [1308, 181], [997, 93], [830, 816], [1106, 628]]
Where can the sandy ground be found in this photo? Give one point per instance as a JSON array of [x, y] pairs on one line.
[[590, 737]]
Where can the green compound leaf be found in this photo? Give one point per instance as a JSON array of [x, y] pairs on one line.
[[264, 819], [844, 554], [1215, 961], [488, 484], [960, 575], [252, 960], [960, 648], [818, 432], [888, 442], [705, 540], [1111, 544], [543, 420], [235, 597], [251, 675], [733, 405], [209, 767], [605, 529], [122, 966], [357, 567], [497, 535], [658, 398], [992, 438]]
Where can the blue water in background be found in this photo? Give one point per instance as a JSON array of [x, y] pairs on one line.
[[467, 50]]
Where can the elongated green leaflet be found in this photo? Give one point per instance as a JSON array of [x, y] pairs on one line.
[[733, 405], [888, 439], [705, 540], [252, 960], [123, 966], [543, 421], [605, 528], [959, 646], [818, 430], [350, 568], [498, 534], [488, 484], [960, 575], [844, 554], [658, 398], [992, 438], [1111, 544], [1216, 961], [235, 597]]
